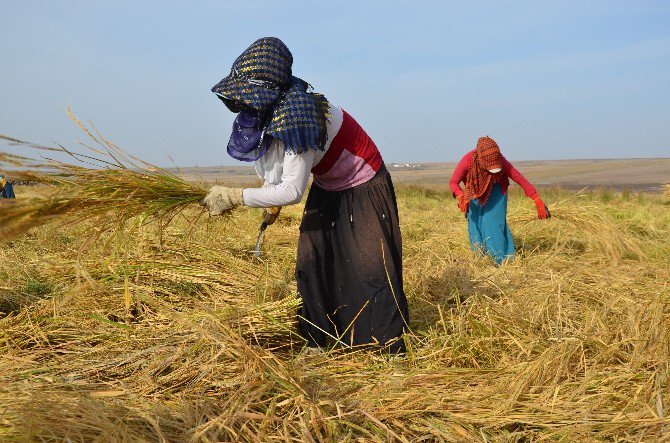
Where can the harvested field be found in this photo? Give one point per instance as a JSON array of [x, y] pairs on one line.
[[181, 335]]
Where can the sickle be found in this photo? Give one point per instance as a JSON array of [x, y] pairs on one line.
[[261, 231]]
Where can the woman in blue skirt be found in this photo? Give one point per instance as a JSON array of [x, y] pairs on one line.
[[486, 173]]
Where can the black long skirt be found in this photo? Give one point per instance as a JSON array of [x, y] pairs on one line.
[[349, 267]]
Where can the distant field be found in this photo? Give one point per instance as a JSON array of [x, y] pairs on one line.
[[635, 174]]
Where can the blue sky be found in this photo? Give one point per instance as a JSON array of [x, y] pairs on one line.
[[560, 79]]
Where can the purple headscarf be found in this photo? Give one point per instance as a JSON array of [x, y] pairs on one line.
[[248, 141]]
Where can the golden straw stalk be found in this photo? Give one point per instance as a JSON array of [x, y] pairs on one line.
[[106, 185]]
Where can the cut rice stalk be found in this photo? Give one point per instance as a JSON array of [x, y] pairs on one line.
[[111, 189]]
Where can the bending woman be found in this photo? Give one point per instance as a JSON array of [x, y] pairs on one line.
[[486, 173], [349, 263], [6, 190]]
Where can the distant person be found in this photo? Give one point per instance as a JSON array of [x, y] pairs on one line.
[[6, 189], [486, 173], [349, 260]]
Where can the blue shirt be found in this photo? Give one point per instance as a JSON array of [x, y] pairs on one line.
[[8, 191]]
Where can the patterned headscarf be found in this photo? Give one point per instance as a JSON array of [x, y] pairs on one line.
[[261, 79], [480, 181]]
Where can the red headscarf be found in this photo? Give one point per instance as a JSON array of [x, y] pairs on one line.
[[480, 181]]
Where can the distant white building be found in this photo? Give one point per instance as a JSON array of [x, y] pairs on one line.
[[406, 165]]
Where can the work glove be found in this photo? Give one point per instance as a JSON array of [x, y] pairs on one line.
[[270, 215], [542, 210], [222, 199], [462, 203]]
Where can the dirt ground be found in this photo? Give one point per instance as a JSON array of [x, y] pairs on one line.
[[633, 174]]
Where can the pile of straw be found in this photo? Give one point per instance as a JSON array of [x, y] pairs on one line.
[[194, 340], [576, 222]]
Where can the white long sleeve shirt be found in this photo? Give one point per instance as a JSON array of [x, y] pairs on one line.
[[285, 176], [349, 158]]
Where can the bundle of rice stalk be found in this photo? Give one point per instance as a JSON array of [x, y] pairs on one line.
[[108, 187], [595, 227]]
